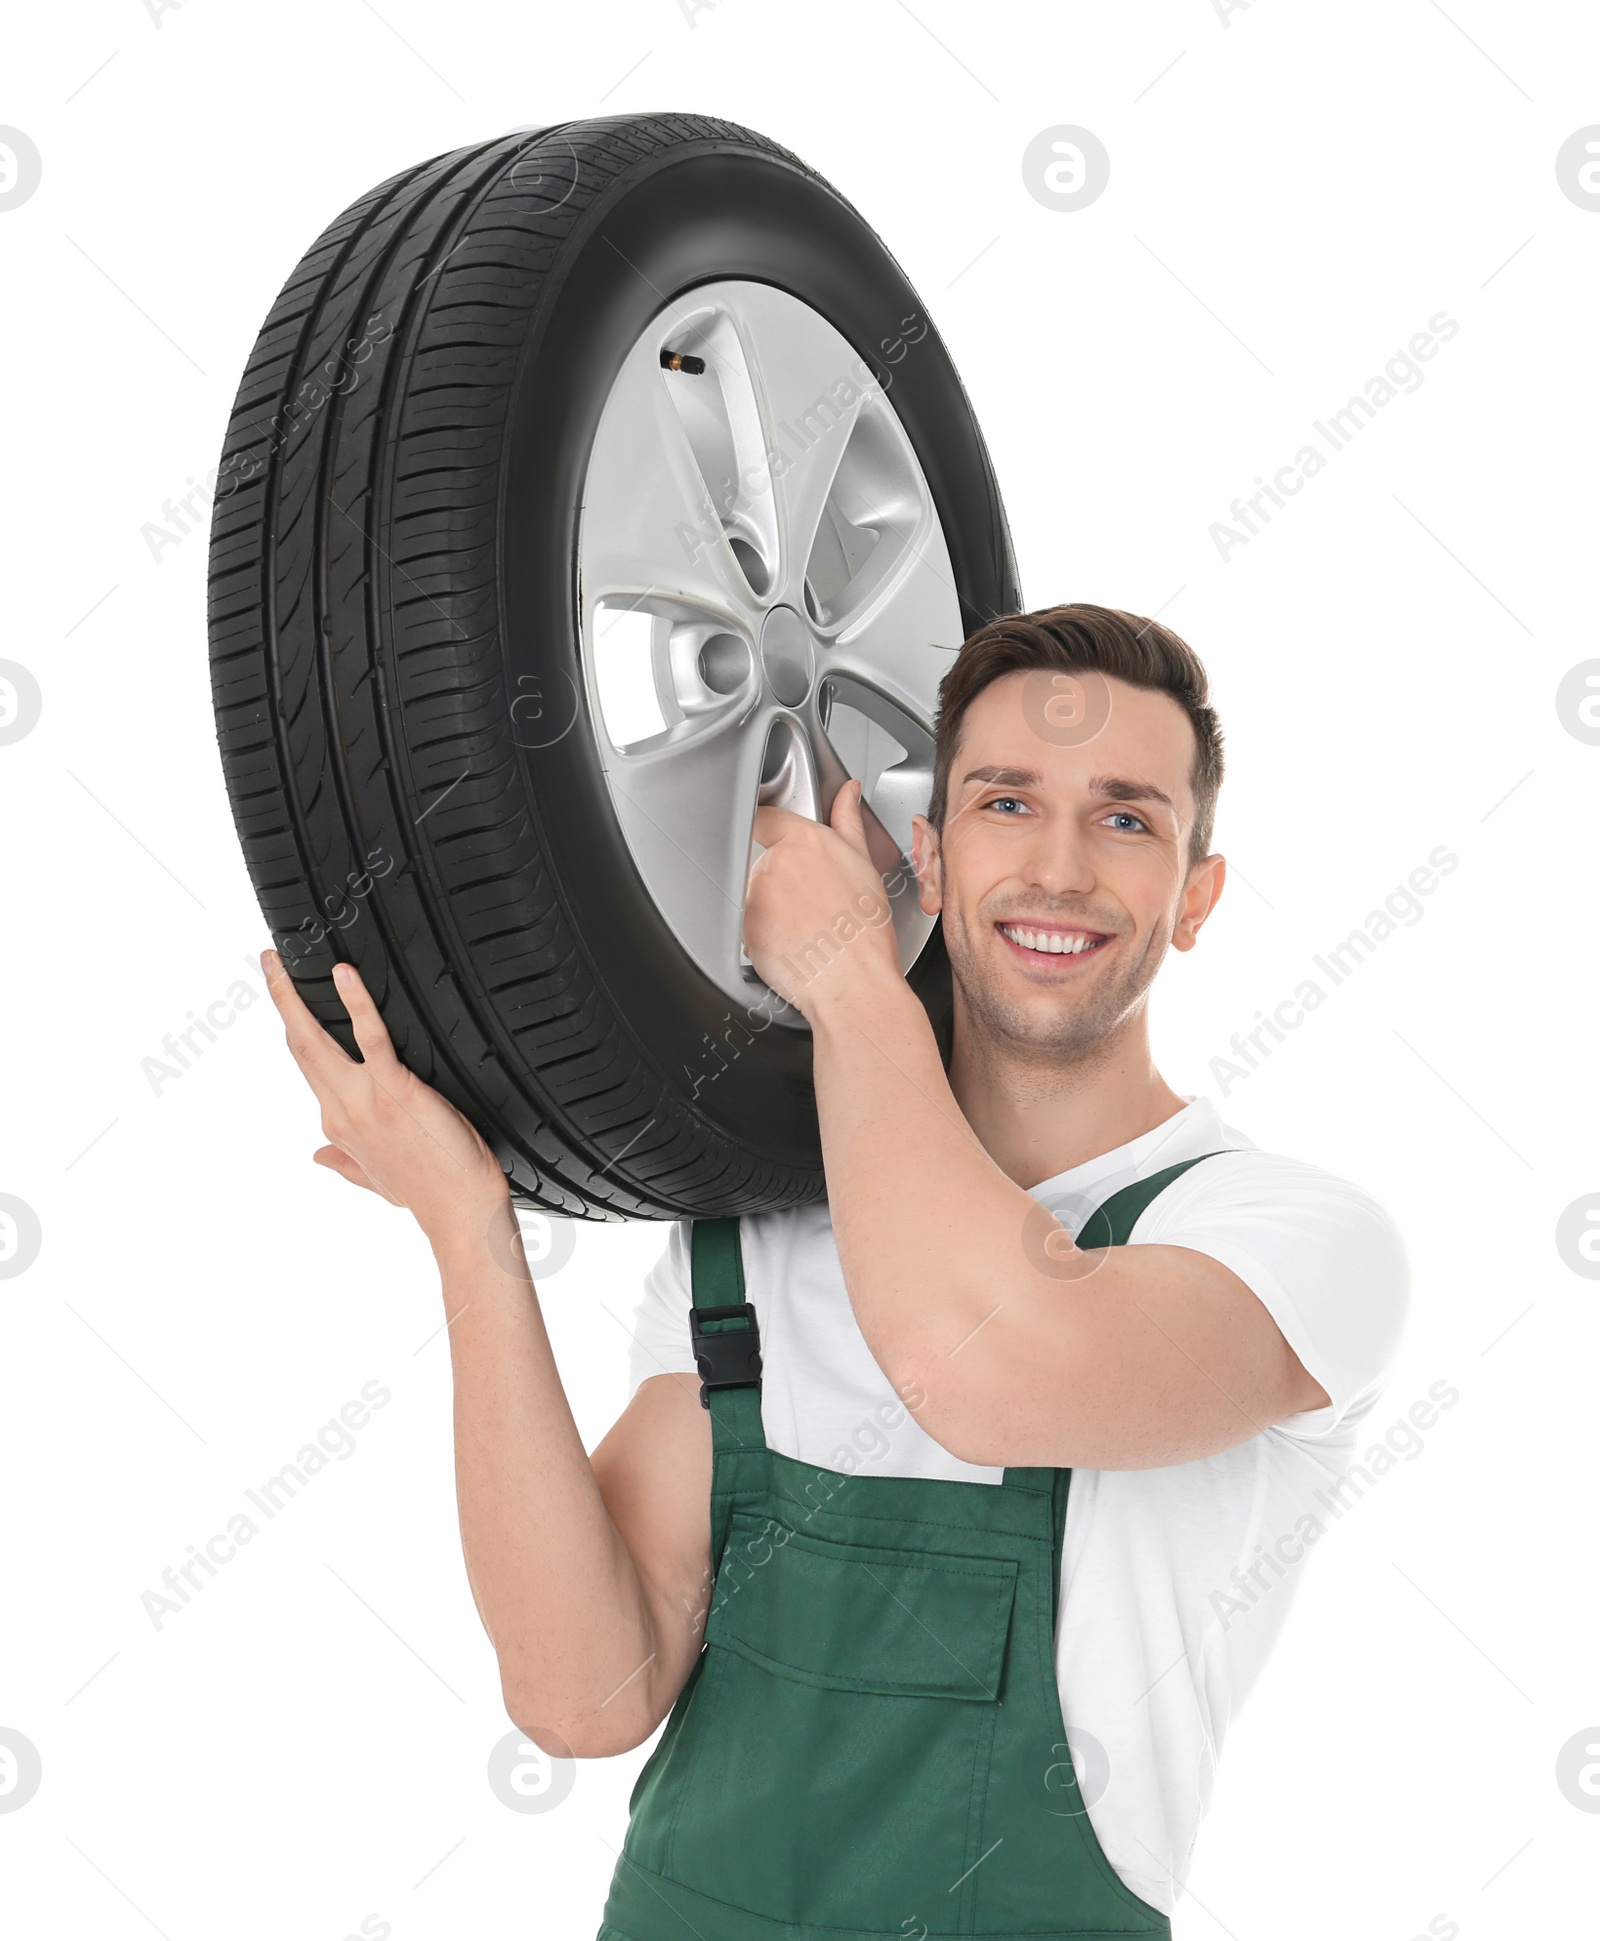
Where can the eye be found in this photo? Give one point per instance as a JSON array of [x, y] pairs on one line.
[[1125, 822], [1006, 802]]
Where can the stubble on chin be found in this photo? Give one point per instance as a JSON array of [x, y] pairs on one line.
[[1079, 1034]]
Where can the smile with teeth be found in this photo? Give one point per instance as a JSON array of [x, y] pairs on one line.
[[1053, 943]]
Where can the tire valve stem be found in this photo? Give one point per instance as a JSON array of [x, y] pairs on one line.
[[677, 360]]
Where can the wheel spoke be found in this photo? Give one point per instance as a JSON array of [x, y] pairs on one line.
[[878, 516], [686, 800], [649, 527], [902, 642], [892, 757], [832, 772], [891, 754], [809, 385]]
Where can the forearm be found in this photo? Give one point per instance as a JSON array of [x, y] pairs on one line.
[[929, 1228], [1012, 1344], [555, 1586], [571, 1616]]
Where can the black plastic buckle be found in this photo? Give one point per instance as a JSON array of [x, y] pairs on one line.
[[729, 1357]]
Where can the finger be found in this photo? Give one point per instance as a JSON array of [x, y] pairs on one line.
[[372, 1036], [341, 1163], [315, 1052], [853, 818], [337, 1160], [846, 818]]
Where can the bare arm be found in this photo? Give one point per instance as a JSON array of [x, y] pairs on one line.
[[1026, 1348], [590, 1575]]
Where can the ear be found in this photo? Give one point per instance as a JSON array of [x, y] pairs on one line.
[[929, 865], [1199, 900]]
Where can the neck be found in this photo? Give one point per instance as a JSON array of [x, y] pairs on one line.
[[1037, 1114]]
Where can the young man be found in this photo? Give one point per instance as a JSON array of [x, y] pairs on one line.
[[1055, 1389]]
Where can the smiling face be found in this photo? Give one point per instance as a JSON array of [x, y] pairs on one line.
[[1062, 871]]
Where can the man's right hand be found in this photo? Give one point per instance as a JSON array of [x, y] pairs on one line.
[[387, 1130], [591, 1577]]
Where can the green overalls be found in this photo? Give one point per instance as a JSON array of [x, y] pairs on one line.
[[871, 1745]]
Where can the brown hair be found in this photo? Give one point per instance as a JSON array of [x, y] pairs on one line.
[[1080, 639]]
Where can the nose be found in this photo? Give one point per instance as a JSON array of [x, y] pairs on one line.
[[1058, 861]]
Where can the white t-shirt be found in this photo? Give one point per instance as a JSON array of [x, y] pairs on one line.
[[1163, 1630]]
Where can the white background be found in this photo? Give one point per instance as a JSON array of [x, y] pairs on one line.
[[1295, 190]]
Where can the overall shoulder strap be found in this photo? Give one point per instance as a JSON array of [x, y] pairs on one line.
[[717, 1263], [1111, 1223], [725, 1337], [1108, 1226]]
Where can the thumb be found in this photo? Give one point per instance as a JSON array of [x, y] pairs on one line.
[[845, 817], [337, 1160]]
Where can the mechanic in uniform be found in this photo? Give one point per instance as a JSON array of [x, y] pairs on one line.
[[950, 1519]]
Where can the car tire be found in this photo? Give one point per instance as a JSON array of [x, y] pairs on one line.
[[422, 771]]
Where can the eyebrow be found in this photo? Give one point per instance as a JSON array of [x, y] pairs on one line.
[[1110, 788], [1016, 778]]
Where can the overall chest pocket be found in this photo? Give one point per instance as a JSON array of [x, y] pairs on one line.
[[856, 1618], [849, 1705]]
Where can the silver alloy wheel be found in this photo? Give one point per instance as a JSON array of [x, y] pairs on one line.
[[767, 606]]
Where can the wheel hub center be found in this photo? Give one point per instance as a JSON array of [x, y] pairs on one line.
[[786, 656]]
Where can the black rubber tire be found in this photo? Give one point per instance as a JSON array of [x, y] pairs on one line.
[[392, 576]]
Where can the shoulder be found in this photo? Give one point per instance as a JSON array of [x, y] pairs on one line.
[[1272, 1191]]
